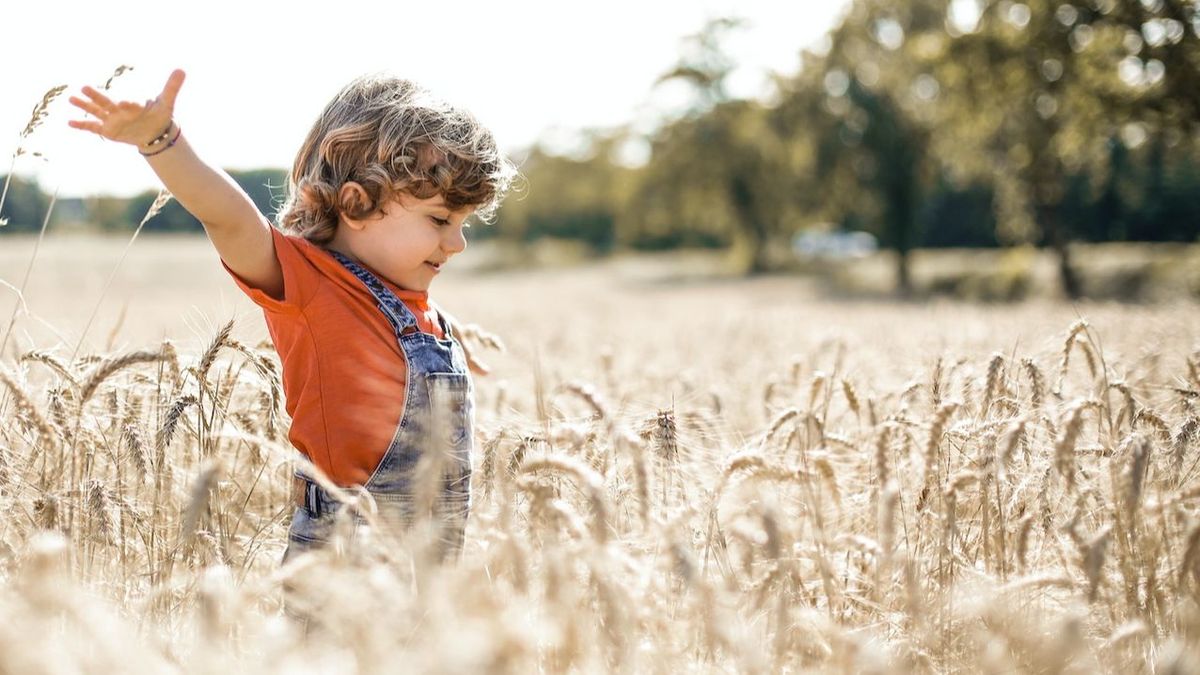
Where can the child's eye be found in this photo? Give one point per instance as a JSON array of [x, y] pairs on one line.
[[440, 222]]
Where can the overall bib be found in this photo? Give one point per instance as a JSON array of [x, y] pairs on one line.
[[432, 442]]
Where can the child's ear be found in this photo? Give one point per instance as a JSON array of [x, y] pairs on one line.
[[354, 204]]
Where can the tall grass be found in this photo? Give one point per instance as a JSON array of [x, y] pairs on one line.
[[1014, 528]]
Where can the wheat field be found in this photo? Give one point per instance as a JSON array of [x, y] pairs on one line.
[[671, 475]]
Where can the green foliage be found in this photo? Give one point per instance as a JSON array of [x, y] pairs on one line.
[[925, 127], [720, 173], [715, 178], [1040, 97], [703, 63], [265, 187], [24, 205], [567, 197], [952, 216], [1040, 122]]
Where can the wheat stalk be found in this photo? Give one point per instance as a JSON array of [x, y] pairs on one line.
[[1064, 447], [118, 72], [588, 480], [209, 356], [995, 373], [1072, 337], [25, 405], [110, 367], [53, 362]]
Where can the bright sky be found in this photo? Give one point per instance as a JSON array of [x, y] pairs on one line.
[[259, 72]]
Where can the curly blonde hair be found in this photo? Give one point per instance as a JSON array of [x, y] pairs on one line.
[[391, 136]]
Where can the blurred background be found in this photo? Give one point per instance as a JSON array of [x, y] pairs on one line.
[[978, 149]]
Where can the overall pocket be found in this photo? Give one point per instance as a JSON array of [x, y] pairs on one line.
[[306, 532], [452, 428]]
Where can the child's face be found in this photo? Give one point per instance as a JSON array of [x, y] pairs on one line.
[[411, 241]]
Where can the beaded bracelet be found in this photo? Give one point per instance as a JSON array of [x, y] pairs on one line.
[[161, 137], [178, 133]]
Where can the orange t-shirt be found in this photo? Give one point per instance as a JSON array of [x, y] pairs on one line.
[[343, 369]]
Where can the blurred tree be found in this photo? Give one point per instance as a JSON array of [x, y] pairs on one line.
[[704, 64], [569, 197], [959, 216], [1034, 93], [1107, 220], [267, 188], [108, 214], [264, 186], [172, 217], [717, 178], [1168, 201], [718, 173], [1162, 73], [24, 205], [856, 103], [1162, 64]]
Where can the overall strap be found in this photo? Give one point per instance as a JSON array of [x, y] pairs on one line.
[[446, 322], [393, 308]]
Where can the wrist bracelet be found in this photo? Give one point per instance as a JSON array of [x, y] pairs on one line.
[[178, 133], [161, 137]]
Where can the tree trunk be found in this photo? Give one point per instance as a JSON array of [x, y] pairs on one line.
[[758, 259], [903, 273], [1067, 276], [901, 220], [750, 224], [1068, 279]]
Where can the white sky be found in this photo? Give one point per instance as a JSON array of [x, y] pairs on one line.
[[259, 72]]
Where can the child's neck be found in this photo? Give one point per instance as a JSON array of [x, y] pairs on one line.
[[339, 244]]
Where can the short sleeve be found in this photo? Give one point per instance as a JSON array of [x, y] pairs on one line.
[[300, 277]]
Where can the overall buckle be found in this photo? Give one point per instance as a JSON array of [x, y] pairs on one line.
[[312, 498]]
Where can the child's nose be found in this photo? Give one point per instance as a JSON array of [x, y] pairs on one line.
[[455, 240]]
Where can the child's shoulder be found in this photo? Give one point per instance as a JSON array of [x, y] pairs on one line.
[[305, 265], [293, 249]]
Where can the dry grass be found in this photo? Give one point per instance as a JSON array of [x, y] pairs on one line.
[[912, 494]]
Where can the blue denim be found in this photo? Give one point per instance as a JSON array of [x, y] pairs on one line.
[[438, 417]]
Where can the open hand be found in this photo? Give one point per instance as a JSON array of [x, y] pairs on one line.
[[127, 121]]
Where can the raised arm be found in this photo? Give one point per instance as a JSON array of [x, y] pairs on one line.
[[238, 230]]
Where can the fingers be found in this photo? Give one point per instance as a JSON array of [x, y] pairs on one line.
[[103, 102], [99, 98], [85, 125], [171, 89], [87, 106], [121, 114]]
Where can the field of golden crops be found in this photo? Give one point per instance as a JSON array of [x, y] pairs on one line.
[[671, 476]]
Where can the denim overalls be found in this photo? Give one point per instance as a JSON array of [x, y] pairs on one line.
[[438, 417]]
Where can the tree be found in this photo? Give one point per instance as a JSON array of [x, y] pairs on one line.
[[264, 186], [856, 108], [717, 173], [24, 205], [568, 197], [1037, 91]]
